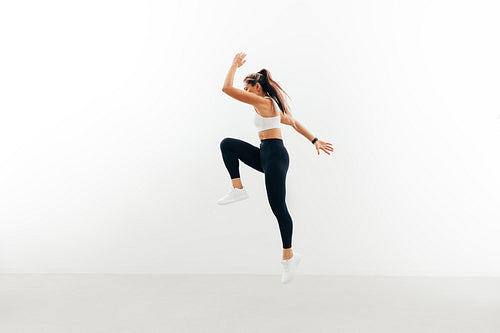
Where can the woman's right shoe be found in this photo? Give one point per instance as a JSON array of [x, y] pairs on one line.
[[236, 194]]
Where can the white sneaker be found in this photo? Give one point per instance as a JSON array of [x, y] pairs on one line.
[[290, 267], [236, 194]]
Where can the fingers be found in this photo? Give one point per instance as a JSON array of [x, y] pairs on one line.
[[325, 150], [238, 58]]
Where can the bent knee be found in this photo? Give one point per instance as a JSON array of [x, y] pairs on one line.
[[226, 142]]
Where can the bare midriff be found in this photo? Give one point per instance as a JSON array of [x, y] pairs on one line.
[[272, 133]]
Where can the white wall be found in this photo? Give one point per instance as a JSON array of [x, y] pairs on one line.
[[112, 114]]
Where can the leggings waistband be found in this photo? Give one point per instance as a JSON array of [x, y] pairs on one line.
[[272, 142], [272, 139]]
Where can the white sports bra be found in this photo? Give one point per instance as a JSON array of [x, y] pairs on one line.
[[265, 123]]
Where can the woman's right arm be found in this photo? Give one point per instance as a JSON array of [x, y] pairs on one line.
[[302, 130]]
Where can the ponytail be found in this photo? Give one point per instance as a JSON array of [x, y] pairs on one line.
[[270, 87]]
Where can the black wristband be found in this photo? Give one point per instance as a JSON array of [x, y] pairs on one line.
[[315, 139]]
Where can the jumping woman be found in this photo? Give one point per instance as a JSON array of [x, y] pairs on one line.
[[265, 95]]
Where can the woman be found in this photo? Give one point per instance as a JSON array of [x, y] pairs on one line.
[[264, 94]]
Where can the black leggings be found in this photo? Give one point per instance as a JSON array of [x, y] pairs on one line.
[[272, 159]]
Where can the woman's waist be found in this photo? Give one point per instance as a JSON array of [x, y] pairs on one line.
[[273, 133], [272, 142], [272, 139]]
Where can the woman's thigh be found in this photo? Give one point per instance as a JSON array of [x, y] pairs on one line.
[[275, 162], [274, 157], [275, 180], [245, 152]]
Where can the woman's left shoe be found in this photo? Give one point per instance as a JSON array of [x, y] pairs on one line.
[[236, 194], [290, 267]]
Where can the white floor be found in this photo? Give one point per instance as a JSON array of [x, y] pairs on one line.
[[72, 303]]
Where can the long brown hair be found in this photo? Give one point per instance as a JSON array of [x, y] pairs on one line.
[[270, 87]]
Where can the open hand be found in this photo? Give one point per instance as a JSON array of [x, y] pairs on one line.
[[325, 146], [238, 59]]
